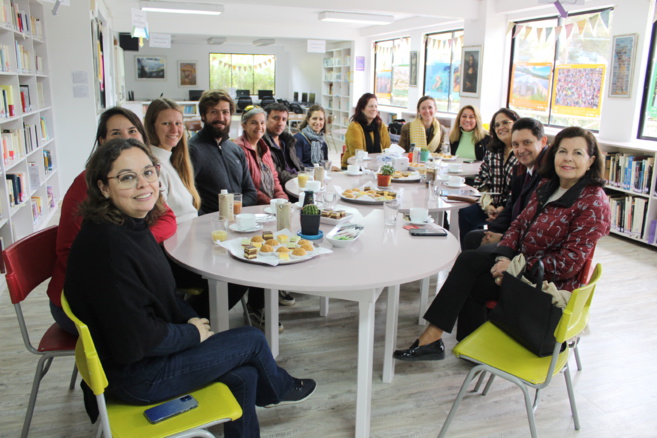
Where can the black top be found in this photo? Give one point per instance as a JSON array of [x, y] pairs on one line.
[[118, 281]]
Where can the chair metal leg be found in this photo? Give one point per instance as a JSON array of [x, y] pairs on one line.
[[530, 410], [74, 376], [42, 368], [479, 381], [246, 311], [574, 346], [452, 412], [488, 384], [571, 396]]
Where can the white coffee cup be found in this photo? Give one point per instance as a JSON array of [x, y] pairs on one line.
[[456, 180], [455, 167], [314, 186], [245, 221], [360, 155], [418, 214], [352, 168]]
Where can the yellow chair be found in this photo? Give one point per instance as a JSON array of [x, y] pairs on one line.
[[216, 403], [497, 353]]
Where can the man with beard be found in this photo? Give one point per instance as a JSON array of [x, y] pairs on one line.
[[281, 143], [218, 162]]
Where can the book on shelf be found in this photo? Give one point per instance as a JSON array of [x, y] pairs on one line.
[[628, 215], [40, 96], [30, 133], [51, 196], [26, 103], [7, 108], [18, 187], [4, 58], [651, 231], [13, 146], [36, 208], [44, 128], [629, 172], [33, 172]]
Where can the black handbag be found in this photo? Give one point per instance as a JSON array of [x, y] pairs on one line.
[[526, 313]]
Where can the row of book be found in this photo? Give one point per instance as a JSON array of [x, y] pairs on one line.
[[629, 172], [23, 58], [16, 188], [628, 215], [17, 143], [23, 22]]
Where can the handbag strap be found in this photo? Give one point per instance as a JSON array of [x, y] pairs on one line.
[[536, 273]]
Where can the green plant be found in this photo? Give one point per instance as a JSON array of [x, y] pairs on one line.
[[310, 209], [387, 169]]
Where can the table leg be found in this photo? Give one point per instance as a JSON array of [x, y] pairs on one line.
[[218, 291], [271, 320], [392, 313], [323, 306], [365, 361], [424, 299]]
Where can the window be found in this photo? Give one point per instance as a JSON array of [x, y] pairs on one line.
[[442, 75], [244, 72], [391, 71], [558, 68], [648, 125]]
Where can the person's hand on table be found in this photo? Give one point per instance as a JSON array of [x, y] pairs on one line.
[[203, 326], [499, 268], [491, 237], [492, 212]]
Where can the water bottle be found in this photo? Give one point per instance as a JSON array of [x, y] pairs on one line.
[[446, 149]]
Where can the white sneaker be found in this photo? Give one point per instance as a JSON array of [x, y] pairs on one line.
[[258, 319]]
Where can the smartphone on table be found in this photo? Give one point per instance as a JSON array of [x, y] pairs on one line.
[[170, 409], [428, 232]]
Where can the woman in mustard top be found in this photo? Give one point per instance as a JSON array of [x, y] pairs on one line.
[[366, 130]]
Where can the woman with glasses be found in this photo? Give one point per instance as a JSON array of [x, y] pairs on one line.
[[258, 156], [311, 146], [120, 284], [494, 175], [468, 138], [166, 130], [366, 130], [425, 131], [115, 122]]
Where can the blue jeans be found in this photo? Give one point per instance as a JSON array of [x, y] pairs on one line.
[[62, 319], [240, 358]]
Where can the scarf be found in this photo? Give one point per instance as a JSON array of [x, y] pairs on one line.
[[419, 134], [266, 180], [316, 142], [372, 147]]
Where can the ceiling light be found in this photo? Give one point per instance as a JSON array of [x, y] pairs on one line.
[[348, 17], [182, 8], [264, 42], [215, 41]]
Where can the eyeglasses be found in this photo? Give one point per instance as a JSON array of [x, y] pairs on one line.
[[129, 180], [503, 123]]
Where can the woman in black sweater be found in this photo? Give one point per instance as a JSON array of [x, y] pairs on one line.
[[120, 284]]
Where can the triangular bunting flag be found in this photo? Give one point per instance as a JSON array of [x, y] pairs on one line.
[[518, 29], [604, 15], [509, 27], [557, 31], [581, 25], [593, 21], [539, 32], [569, 30], [528, 31], [548, 32], [461, 40]]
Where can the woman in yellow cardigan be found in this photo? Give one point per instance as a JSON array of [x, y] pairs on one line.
[[366, 130]]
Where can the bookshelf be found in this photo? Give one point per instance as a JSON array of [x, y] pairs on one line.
[[29, 196], [337, 88]]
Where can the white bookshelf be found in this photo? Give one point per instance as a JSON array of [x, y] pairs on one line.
[[26, 122], [337, 88]]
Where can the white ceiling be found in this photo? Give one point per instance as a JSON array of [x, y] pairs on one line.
[[293, 21]]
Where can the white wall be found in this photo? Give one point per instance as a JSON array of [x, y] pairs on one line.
[[296, 70]]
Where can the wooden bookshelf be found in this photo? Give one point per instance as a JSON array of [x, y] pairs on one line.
[[30, 193]]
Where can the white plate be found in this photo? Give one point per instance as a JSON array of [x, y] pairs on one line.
[[452, 158], [414, 176], [449, 184], [454, 171], [269, 210], [354, 173], [233, 227], [427, 222], [330, 221], [264, 218]]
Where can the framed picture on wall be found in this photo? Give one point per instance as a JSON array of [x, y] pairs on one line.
[[412, 74], [622, 65], [151, 67], [187, 73], [470, 74]]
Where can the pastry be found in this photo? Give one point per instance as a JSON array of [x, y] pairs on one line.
[[246, 241], [271, 242], [283, 238], [267, 235], [302, 241], [267, 248], [250, 252], [306, 245], [257, 239], [299, 252], [284, 256], [282, 249]]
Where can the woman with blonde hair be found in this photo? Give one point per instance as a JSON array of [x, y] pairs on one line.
[[166, 131], [468, 138], [311, 146], [425, 131]]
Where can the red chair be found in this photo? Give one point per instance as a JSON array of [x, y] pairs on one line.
[[29, 262]]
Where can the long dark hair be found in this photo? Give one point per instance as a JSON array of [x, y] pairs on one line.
[[358, 116], [311, 110], [495, 144], [101, 132], [594, 175], [96, 207]]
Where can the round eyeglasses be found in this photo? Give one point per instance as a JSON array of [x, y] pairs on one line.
[[129, 180]]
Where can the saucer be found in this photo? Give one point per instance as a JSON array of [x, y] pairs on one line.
[[449, 184], [269, 210], [233, 227], [455, 171], [426, 222], [317, 237], [354, 173]]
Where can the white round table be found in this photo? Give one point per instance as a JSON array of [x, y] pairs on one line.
[[378, 259]]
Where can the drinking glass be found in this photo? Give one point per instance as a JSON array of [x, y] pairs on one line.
[[219, 229], [390, 212], [237, 203], [302, 179], [330, 200]]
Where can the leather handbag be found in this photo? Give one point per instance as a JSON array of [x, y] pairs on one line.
[[526, 313]]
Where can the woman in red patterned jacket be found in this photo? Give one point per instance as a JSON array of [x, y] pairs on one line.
[[560, 225]]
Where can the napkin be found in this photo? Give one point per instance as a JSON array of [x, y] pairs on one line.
[[395, 151]]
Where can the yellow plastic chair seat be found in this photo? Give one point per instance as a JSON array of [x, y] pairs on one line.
[[129, 420], [490, 345]]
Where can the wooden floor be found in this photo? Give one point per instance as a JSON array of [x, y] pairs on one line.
[[615, 392]]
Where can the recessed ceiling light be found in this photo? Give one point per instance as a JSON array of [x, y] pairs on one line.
[[182, 8], [216, 40], [348, 17], [264, 42]]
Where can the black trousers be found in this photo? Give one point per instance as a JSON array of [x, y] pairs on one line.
[[464, 294]]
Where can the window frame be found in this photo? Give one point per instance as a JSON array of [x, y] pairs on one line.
[[450, 102], [253, 90], [392, 73], [651, 69]]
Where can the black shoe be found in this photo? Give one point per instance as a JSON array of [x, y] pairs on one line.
[[433, 351], [301, 390], [285, 299]]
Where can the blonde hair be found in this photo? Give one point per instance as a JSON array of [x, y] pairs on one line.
[[180, 155], [479, 131]]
